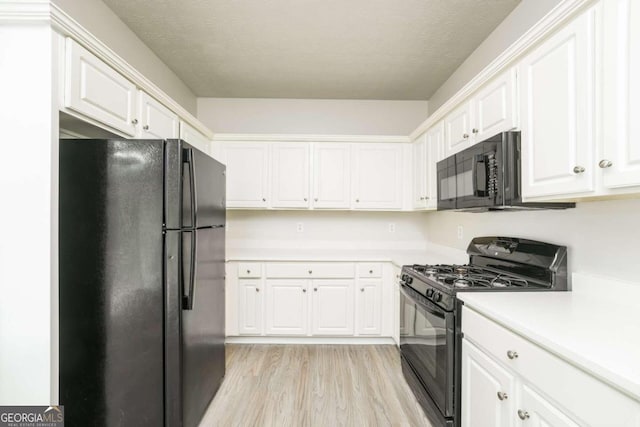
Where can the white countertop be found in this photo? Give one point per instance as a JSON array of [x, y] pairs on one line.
[[596, 327]]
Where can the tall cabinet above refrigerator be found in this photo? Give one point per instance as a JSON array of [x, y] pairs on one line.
[[142, 238]]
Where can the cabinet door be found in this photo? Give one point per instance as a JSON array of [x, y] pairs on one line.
[[488, 390], [398, 311], [539, 412], [290, 175], [494, 107], [287, 307], [369, 306], [557, 89], [621, 94], [250, 307], [458, 130], [435, 153], [155, 120], [377, 176], [331, 176], [420, 173], [95, 90], [332, 307], [192, 136], [247, 174]]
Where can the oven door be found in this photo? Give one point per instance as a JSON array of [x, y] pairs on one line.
[[477, 176], [427, 343]]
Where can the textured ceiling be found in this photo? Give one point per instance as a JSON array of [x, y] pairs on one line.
[[335, 49]]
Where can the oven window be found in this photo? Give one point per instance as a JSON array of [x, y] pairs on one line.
[[423, 343]]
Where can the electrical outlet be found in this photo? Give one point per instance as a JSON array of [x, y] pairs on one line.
[[299, 227], [392, 227], [460, 232]]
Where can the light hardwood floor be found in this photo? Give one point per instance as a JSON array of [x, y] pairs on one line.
[[313, 385]]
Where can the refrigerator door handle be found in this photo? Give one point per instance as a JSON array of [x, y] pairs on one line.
[[190, 159], [187, 300]]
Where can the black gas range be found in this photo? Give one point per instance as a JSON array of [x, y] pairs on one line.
[[430, 313]]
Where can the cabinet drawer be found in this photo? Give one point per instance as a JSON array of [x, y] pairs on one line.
[[369, 269], [249, 269], [572, 388], [325, 270]]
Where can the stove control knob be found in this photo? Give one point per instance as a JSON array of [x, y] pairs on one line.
[[429, 293], [409, 280], [404, 277], [437, 296]]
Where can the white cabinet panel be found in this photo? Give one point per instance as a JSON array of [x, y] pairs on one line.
[[495, 107], [558, 88], [332, 310], [155, 120], [622, 94], [287, 307], [331, 176], [377, 176], [458, 129], [435, 153], [488, 391], [420, 167], [290, 175], [369, 307], [95, 90], [250, 307], [192, 136], [539, 412], [247, 174]]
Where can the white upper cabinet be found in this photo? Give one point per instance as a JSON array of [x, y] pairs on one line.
[[458, 129], [620, 159], [290, 175], [495, 107], [377, 176], [189, 134], [331, 176], [332, 307], [557, 110], [95, 90], [247, 174], [155, 120]]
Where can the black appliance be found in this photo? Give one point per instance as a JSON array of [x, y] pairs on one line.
[[141, 289], [486, 176], [430, 336]]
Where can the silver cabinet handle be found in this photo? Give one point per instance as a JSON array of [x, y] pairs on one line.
[[502, 395], [134, 121], [578, 169], [605, 163], [315, 200], [248, 271], [370, 271], [475, 130], [315, 289], [310, 271], [523, 414], [512, 354], [421, 198], [465, 135], [361, 289], [145, 127], [264, 200], [357, 200], [304, 290], [305, 199], [257, 289]]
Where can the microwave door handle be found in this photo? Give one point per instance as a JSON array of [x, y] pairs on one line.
[[189, 158], [187, 300], [479, 159]]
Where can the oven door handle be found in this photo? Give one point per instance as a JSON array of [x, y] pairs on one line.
[[425, 305]]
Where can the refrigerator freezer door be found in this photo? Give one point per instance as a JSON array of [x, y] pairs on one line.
[[203, 353], [111, 282], [195, 188]]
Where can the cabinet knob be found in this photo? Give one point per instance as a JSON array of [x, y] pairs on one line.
[[134, 121], [605, 163], [315, 200], [465, 135], [502, 395], [370, 271], [578, 169], [357, 200], [145, 127], [257, 289], [310, 271], [512, 354], [304, 290], [361, 289], [264, 200], [421, 198], [305, 199], [475, 130], [315, 289], [248, 271], [523, 415]]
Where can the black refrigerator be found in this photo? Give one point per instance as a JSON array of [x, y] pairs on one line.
[[141, 282]]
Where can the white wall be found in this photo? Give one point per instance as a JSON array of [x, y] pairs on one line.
[[527, 13], [325, 230], [96, 17], [602, 237], [311, 116]]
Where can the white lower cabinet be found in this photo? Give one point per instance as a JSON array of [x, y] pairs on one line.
[[508, 380], [369, 307], [332, 312], [250, 307], [287, 305]]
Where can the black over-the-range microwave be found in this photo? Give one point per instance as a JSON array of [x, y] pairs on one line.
[[486, 176]]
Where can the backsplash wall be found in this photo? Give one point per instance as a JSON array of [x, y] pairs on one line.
[[602, 237]]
